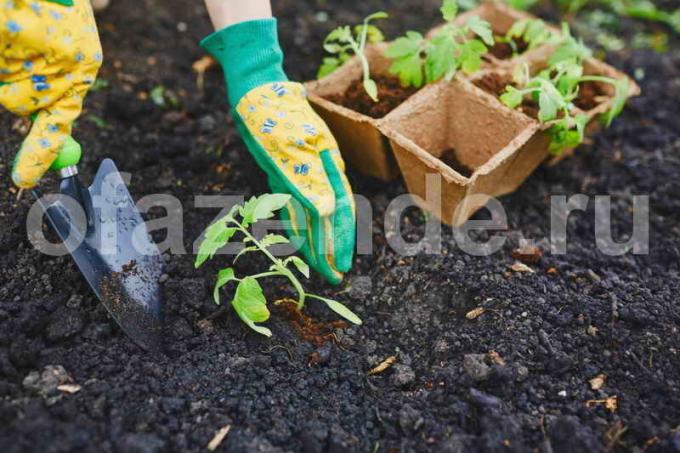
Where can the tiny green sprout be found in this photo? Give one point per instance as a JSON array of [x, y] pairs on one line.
[[343, 42], [418, 60], [249, 301]]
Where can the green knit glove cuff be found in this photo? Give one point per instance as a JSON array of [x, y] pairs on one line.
[[250, 56]]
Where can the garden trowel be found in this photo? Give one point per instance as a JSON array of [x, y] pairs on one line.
[[106, 235]]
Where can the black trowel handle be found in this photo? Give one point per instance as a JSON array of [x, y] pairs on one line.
[[66, 162]]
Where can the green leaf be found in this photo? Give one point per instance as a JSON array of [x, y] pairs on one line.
[[377, 15], [223, 277], [512, 97], [262, 207], [373, 33], [482, 29], [409, 70], [217, 236], [441, 58], [340, 34], [449, 10], [268, 204], [548, 107], [251, 306], [522, 5], [471, 53], [300, 265], [244, 250], [273, 239], [371, 88], [339, 308], [518, 28], [328, 66], [581, 123], [405, 46], [620, 99]]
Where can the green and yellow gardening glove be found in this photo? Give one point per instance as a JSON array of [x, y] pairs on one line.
[[49, 57], [290, 142]]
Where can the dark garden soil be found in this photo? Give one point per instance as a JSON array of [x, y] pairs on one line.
[[449, 158], [391, 94], [590, 95], [514, 378], [494, 83], [504, 50]]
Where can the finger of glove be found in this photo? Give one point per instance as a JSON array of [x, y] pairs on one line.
[[48, 133], [310, 233], [344, 217]]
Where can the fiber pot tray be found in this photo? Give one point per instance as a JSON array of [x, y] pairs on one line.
[[460, 131]]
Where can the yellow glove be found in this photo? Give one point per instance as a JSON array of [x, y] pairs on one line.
[[49, 57]]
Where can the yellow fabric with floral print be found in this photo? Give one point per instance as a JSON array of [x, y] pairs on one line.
[[289, 130], [49, 57]]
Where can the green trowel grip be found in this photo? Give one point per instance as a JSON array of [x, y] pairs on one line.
[[69, 155]]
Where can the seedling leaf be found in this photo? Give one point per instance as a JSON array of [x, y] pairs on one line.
[[482, 29], [273, 239], [620, 98], [300, 265], [216, 237], [329, 65], [339, 309], [223, 277], [371, 88], [244, 250], [449, 10], [250, 305], [512, 97]]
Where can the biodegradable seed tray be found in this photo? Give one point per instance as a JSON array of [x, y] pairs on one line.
[[448, 127]]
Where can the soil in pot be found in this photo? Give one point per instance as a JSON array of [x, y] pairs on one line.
[[450, 158], [391, 94], [590, 95], [505, 51], [494, 83]]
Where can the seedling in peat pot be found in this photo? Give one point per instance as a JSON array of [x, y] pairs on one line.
[[417, 60], [249, 301], [342, 42], [555, 90]]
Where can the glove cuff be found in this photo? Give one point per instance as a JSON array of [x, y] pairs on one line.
[[250, 56]]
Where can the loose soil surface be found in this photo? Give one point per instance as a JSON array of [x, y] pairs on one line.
[[391, 94], [514, 377]]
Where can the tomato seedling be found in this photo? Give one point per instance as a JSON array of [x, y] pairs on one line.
[[418, 60], [343, 42], [249, 301], [557, 87]]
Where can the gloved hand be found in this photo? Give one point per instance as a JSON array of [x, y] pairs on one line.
[[49, 56], [290, 143]]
